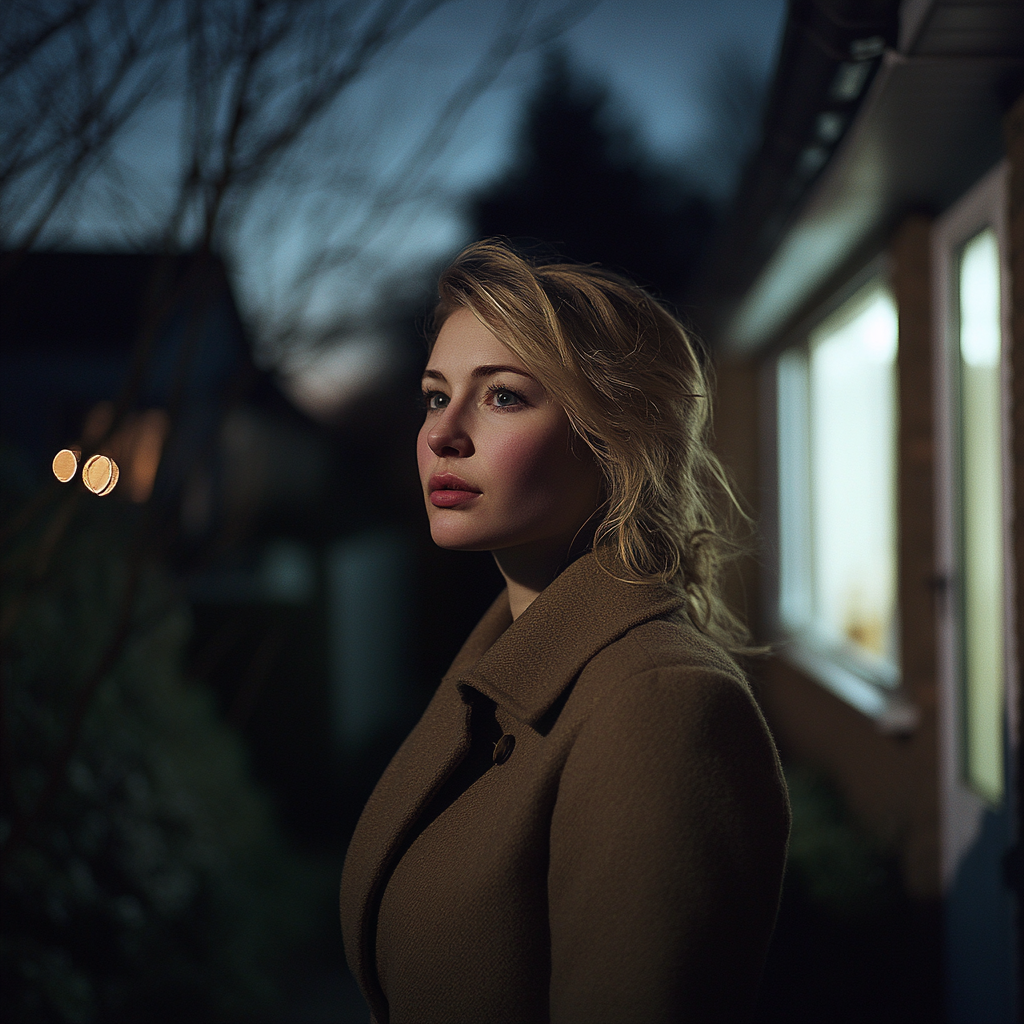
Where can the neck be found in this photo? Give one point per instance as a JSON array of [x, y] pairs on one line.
[[526, 578], [528, 570]]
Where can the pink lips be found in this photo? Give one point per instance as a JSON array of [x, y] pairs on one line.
[[450, 491]]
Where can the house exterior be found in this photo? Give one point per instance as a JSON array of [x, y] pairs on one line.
[[866, 311], [145, 356], [81, 332]]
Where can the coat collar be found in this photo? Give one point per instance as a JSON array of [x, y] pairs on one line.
[[526, 665]]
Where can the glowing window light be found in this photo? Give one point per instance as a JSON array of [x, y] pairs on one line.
[[981, 527], [852, 420], [145, 436]]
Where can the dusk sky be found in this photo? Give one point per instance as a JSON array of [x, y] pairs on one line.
[[656, 58]]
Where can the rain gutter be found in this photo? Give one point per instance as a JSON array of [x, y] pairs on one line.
[[927, 125]]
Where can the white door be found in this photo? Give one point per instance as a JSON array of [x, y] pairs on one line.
[[977, 659]]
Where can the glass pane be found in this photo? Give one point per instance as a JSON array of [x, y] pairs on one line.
[[982, 532], [853, 455]]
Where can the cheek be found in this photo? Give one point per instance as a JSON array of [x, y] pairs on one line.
[[424, 456], [530, 462]]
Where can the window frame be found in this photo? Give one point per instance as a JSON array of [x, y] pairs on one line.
[[873, 690], [983, 206]]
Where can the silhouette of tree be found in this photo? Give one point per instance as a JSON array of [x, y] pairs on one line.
[[735, 92], [583, 184]]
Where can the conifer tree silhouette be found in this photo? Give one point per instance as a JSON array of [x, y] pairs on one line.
[[583, 186]]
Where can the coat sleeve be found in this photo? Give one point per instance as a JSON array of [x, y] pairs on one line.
[[668, 842]]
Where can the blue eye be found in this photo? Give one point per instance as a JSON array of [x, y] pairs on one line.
[[434, 400], [504, 398]]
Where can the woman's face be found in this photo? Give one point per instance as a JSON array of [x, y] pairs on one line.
[[495, 457]]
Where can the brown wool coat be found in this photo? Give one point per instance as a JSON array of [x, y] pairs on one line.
[[622, 863]]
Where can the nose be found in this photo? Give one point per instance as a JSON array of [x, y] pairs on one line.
[[447, 436]]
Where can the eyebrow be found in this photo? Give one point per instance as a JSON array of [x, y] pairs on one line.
[[479, 372]]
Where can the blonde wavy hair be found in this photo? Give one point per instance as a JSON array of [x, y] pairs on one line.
[[627, 374]]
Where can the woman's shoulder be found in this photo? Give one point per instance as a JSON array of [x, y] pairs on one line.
[[664, 683], [665, 708], [667, 647]]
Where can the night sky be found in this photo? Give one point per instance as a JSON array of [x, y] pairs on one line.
[[656, 58]]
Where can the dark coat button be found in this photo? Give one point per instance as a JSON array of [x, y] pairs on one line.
[[503, 749]]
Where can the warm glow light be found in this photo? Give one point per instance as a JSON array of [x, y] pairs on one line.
[[100, 474], [146, 442], [137, 444], [65, 464]]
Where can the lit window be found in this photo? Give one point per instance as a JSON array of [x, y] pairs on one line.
[[980, 529], [837, 486]]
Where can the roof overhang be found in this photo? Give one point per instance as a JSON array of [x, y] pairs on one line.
[[929, 126]]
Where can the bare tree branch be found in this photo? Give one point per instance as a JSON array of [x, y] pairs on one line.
[[101, 106], [415, 177], [255, 83], [17, 52]]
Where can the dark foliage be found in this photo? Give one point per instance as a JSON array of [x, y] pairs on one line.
[[156, 886], [850, 945], [583, 185]]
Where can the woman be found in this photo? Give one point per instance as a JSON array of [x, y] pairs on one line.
[[589, 822]]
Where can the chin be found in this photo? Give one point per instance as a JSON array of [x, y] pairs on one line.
[[453, 538]]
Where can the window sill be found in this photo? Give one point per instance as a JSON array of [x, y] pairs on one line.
[[886, 706]]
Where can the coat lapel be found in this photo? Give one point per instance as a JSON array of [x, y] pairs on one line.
[[524, 667], [529, 666], [429, 755]]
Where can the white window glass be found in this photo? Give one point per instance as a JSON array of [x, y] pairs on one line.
[[853, 448], [837, 484], [981, 506]]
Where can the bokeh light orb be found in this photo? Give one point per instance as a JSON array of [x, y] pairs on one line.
[[65, 465], [100, 474]]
